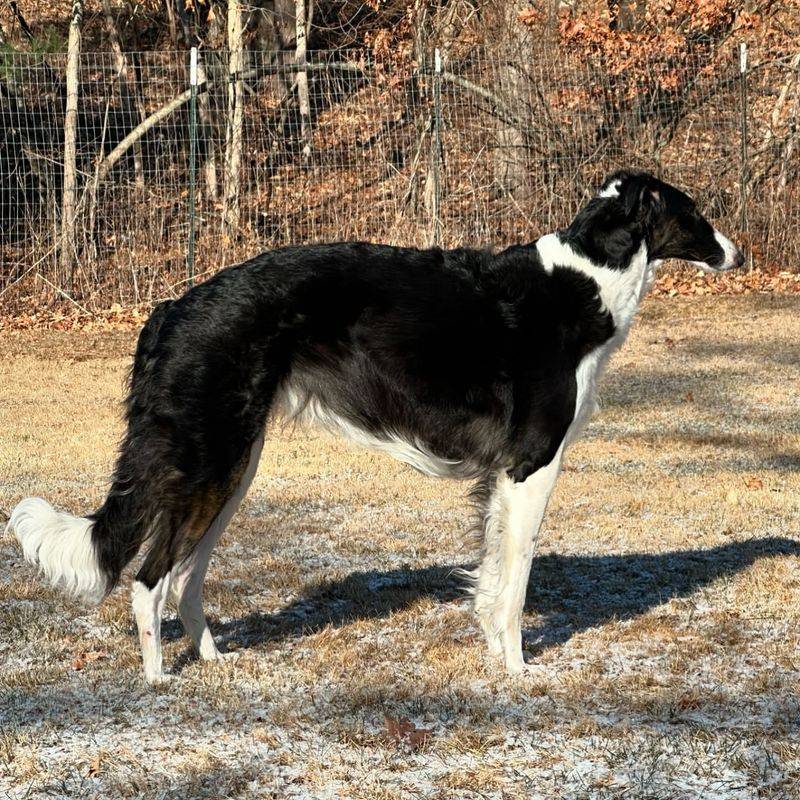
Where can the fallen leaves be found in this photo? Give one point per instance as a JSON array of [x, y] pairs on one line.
[[752, 482], [64, 319], [402, 731], [95, 766], [86, 657], [689, 282]]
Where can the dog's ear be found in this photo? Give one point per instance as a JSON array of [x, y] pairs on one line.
[[639, 196]]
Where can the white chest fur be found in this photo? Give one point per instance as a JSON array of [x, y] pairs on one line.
[[621, 292]]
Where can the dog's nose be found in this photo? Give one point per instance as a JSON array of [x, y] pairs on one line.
[[738, 259]]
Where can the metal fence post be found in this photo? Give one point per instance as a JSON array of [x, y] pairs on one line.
[[744, 162], [437, 146], [192, 158]]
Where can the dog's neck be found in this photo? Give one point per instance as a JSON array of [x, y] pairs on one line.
[[621, 289]]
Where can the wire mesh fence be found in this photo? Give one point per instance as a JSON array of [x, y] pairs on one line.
[[468, 150]]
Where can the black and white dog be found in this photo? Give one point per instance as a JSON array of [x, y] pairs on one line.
[[461, 363]]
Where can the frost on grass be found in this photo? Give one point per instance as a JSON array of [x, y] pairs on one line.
[[663, 606]]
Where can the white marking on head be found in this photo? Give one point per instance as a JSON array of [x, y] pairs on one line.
[[612, 190], [732, 256]]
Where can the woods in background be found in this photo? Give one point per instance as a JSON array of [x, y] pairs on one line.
[[329, 120]]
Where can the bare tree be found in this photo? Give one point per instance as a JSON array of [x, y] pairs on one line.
[[70, 147], [204, 109], [172, 21], [207, 128], [21, 21], [302, 24], [442, 26], [233, 123], [132, 107], [515, 49]]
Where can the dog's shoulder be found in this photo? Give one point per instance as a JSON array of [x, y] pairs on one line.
[[547, 304]]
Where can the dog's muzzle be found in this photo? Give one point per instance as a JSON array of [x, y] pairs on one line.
[[733, 257]]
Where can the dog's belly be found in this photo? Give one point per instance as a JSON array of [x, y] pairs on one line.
[[309, 409]]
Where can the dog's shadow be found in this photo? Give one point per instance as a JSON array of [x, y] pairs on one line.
[[569, 593]]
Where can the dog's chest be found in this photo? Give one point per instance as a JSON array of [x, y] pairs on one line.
[[590, 371], [587, 378], [621, 296]]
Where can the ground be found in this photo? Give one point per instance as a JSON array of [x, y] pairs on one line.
[[662, 608]]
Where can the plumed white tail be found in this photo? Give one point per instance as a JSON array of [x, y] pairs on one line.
[[61, 546]]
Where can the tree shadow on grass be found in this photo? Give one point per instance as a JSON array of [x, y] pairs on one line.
[[570, 593]]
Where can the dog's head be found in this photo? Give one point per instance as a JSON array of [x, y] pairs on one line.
[[635, 207]]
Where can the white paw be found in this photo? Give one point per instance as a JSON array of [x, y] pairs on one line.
[[534, 671], [492, 638], [517, 665], [494, 647], [230, 657], [158, 678], [215, 655]]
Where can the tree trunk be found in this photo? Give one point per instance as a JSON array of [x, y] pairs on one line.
[[301, 21], [26, 29], [70, 149], [133, 109], [627, 15], [172, 22], [173, 105], [511, 171], [233, 123], [207, 133], [443, 27]]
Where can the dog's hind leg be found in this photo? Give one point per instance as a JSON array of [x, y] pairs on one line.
[[486, 579], [186, 578], [148, 606], [514, 516]]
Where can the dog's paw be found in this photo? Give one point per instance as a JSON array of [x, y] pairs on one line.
[[158, 679], [228, 657], [534, 671], [523, 666], [218, 656]]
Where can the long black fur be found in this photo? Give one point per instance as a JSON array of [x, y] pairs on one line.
[[469, 354]]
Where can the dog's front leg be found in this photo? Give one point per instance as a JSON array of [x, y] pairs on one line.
[[514, 516]]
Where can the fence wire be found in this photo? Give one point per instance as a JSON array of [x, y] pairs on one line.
[[488, 149]]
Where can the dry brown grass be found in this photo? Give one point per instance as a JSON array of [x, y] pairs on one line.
[[664, 604]]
